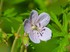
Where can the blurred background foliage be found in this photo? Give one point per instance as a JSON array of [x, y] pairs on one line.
[[14, 12]]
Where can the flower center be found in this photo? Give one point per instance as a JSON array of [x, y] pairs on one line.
[[34, 27]]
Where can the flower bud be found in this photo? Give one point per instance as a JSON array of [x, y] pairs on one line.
[[25, 39]]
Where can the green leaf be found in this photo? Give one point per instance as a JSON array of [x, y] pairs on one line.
[[7, 23], [65, 22], [55, 19], [63, 2], [62, 46], [9, 35], [12, 30], [55, 32], [55, 8], [10, 12], [44, 46], [41, 4], [16, 1]]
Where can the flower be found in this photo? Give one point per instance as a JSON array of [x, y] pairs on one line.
[[35, 27]]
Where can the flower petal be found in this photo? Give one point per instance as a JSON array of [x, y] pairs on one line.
[[27, 26], [33, 16], [45, 34], [34, 36], [43, 19]]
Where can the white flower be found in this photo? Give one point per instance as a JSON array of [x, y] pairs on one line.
[[35, 27]]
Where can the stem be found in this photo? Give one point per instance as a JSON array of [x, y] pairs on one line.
[[1, 4], [15, 40], [14, 43], [22, 46], [25, 49]]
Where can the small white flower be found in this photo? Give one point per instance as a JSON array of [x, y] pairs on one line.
[[35, 27]]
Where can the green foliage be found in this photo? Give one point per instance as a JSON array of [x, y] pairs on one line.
[[14, 12]]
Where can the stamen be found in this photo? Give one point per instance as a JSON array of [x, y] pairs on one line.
[[43, 30], [39, 24], [40, 34]]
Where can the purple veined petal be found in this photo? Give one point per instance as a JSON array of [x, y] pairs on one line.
[[27, 26], [34, 36], [43, 19], [33, 16], [45, 34]]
